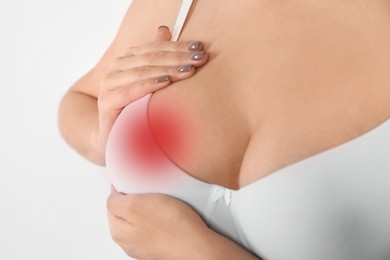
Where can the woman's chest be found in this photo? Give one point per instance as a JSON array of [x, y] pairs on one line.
[[281, 84]]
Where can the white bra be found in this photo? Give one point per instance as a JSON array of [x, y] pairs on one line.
[[332, 205]]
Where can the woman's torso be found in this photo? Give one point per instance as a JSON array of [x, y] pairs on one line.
[[284, 81], [294, 80]]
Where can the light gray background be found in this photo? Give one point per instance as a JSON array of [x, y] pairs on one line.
[[52, 201]]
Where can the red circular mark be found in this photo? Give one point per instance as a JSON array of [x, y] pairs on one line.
[[139, 149], [168, 132], [148, 144]]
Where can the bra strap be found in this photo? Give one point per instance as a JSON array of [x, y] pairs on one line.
[[181, 18]]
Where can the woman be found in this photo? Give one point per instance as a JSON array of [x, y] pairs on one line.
[[282, 98]]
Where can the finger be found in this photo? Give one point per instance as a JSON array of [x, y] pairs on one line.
[[163, 33], [170, 46], [159, 58], [120, 229], [141, 73], [117, 206], [124, 206], [120, 97], [125, 235]]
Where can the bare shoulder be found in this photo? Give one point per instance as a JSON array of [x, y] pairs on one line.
[[137, 27]]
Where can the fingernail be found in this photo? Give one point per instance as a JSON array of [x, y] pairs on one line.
[[161, 26], [197, 55], [194, 46], [185, 68], [162, 79]]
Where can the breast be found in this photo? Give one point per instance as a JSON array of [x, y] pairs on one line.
[[278, 84], [331, 206]]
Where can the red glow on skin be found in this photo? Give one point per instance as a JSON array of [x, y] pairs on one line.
[[151, 144], [139, 147], [169, 133]]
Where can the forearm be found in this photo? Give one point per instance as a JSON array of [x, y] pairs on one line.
[[213, 246], [79, 125]]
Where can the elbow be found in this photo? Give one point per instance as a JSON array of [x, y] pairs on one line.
[[81, 136]]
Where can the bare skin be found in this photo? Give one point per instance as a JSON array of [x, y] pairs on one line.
[[300, 86], [284, 81], [126, 76]]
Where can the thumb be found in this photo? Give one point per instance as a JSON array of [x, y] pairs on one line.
[[163, 34]]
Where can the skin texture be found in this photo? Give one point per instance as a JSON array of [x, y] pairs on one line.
[[284, 80]]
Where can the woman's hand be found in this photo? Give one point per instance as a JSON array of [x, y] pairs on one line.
[[157, 226], [143, 70], [154, 226]]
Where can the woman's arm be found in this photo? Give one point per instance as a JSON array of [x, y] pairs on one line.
[[158, 226], [78, 111], [79, 121]]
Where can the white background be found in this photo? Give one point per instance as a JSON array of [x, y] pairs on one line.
[[52, 201]]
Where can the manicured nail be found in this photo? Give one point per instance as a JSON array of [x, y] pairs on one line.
[[194, 46], [197, 55], [161, 26], [162, 79], [185, 68]]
